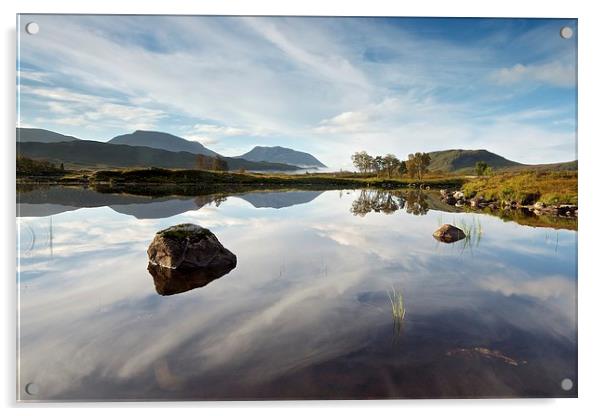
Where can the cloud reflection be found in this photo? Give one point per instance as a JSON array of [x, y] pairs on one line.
[[92, 322]]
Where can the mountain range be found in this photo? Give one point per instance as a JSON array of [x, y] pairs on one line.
[[143, 148], [92, 154], [149, 148]]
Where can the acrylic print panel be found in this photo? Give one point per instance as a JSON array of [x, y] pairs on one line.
[[224, 208]]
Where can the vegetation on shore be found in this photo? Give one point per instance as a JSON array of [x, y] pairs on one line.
[[524, 187], [230, 181], [551, 188], [217, 178], [31, 167]]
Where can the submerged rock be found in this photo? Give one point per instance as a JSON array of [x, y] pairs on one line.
[[447, 233], [172, 281], [188, 246], [481, 352]]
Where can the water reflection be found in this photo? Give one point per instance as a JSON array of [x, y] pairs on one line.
[[305, 314], [39, 201], [387, 202], [172, 281]]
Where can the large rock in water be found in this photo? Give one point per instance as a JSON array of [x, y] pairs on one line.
[[449, 234], [189, 246]]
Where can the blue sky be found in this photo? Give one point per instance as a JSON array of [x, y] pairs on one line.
[[328, 86]]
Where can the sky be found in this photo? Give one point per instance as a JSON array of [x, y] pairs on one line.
[[325, 85]]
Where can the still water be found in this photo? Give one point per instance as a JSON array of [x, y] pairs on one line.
[[306, 313]]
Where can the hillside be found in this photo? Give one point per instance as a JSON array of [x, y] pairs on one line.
[[164, 141], [546, 167], [85, 153], [457, 159], [278, 154], [41, 136], [463, 161]]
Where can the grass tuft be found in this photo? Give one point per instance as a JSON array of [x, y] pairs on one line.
[[397, 308]]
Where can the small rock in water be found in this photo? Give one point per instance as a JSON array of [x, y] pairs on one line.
[[539, 205], [447, 233], [188, 246]]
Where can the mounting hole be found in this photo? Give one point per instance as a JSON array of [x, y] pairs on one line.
[[32, 28], [566, 384], [32, 389], [566, 32]]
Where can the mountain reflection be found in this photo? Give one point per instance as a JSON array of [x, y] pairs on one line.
[[387, 202], [41, 201], [172, 281]]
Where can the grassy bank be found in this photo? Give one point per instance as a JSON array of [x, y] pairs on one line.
[[551, 188], [214, 179], [524, 188]]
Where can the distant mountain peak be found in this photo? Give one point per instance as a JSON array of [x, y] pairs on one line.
[[279, 154], [26, 134], [162, 140]]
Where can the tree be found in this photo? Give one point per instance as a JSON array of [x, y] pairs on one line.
[[219, 164], [391, 164], [62, 166], [210, 163], [417, 164], [481, 167], [378, 164], [362, 161], [402, 169], [203, 162]]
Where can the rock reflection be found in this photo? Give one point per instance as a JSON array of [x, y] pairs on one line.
[[173, 281], [387, 202]]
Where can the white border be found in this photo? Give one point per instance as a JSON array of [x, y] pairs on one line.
[[590, 34]]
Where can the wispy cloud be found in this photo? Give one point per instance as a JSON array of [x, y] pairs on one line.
[[327, 86], [77, 109], [553, 73]]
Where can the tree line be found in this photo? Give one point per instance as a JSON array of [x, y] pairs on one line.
[[28, 166], [415, 166]]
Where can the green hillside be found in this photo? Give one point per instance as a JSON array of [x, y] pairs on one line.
[[92, 154], [455, 160], [463, 161]]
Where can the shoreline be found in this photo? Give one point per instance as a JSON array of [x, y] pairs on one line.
[[459, 192]]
